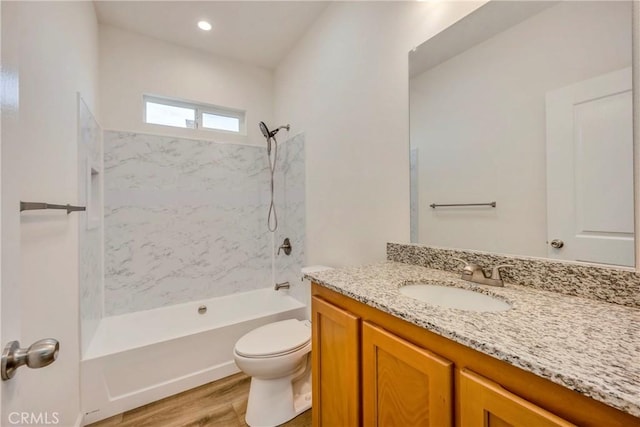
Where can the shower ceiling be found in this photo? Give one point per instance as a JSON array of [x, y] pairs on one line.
[[255, 32]]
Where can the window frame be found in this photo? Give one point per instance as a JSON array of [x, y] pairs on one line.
[[199, 109]]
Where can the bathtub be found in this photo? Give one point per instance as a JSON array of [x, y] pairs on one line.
[[137, 358]]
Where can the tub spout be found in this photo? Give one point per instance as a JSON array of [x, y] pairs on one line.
[[283, 285]]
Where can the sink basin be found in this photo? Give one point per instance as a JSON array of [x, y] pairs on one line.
[[450, 297]]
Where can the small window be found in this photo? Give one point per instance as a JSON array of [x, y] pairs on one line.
[[168, 112]]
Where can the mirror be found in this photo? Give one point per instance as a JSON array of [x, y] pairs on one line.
[[528, 105]]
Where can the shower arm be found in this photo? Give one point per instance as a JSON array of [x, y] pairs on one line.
[[273, 132]]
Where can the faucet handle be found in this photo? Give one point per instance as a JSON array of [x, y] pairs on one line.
[[461, 260], [285, 246], [467, 269], [495, 273], [470, 269]]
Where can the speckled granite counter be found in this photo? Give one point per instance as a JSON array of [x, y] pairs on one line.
[[588, 346]]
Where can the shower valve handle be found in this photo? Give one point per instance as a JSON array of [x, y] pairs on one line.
[[285, 246]]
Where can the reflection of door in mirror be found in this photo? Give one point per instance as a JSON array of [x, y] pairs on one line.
[[478, 131], [590, 170]]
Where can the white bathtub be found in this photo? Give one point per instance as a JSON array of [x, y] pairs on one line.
[[137, 358]]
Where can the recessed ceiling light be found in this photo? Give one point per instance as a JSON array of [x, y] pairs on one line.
[[204, 25]]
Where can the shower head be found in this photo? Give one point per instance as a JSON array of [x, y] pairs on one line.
[[267, 135], [270, 134], [265, 130]]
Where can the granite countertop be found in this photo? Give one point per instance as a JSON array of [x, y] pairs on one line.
[[588, 346]]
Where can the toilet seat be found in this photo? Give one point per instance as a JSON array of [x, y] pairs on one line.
[[275, 339]]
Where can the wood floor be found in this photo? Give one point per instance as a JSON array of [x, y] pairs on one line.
[[222, 403]]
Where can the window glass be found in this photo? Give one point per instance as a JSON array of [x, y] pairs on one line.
[[170, 115], [216, 121]]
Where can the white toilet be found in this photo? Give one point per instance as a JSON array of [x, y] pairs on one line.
[[277, 356]]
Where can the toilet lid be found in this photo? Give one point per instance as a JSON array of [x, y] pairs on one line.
[[274, 339]]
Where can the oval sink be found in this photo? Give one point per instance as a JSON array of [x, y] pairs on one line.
[[450, 297]]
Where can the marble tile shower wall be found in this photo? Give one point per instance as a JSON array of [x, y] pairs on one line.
[[184, 220], [90, 236]]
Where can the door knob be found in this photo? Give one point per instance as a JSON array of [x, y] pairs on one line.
[[40, 354], [557, 243]]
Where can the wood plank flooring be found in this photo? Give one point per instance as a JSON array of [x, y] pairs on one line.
[[222, 403]]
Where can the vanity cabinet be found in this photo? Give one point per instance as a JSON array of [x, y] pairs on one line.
[[402, 384], [374, 369]]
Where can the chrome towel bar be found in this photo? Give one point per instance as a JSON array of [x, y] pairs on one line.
[[492, 204], [30, 206]]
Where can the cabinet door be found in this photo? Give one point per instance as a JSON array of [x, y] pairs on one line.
[[484, 403], [336, 366], [403, 385]]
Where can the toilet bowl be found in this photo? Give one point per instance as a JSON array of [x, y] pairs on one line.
[[277, 357]]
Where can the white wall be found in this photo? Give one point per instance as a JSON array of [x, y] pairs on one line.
[[497, 89], [345, 84], [52, 49], [132, 65]]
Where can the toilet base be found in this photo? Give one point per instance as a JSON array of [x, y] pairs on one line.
[[276, 401]]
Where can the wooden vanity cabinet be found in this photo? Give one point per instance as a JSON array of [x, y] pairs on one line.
[[402, 384], [374, 369]]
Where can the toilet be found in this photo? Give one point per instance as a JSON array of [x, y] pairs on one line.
[[277, 356]]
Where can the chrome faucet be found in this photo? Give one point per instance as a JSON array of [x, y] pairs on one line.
[[474, 273]]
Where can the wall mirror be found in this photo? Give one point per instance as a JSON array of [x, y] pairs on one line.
[[528, 105]]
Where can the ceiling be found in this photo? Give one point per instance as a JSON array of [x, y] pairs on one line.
[[255, 32]]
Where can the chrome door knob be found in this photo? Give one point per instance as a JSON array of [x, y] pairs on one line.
[[40, 354], [557, 243]]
